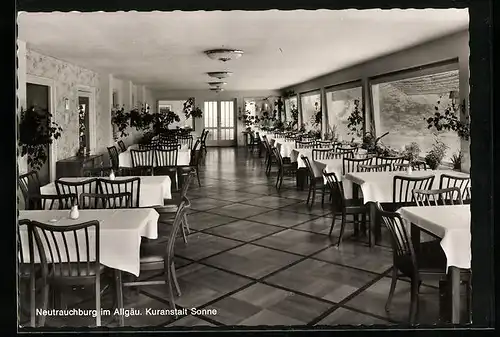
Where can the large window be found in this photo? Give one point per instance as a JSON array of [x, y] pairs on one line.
[[340, 104], [402, 105], [310, 104], [290, 104]]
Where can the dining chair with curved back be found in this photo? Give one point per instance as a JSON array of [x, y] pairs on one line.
[[160, 257], [128, 185], [270, 157], [64, 187], [374, 168], [30, 187], [283, 167], [299, 144], [352, 164], [316, 182], [105, 201], [142, 162], [343, 153], [186, 141], [166, 164], [193, 167], [323, 144], [204, 136], [71, 256], [53, 201], [323, 153], [389, 160], [448, 180], [342, 205], [403, 187], [445, 196], [417, 166]]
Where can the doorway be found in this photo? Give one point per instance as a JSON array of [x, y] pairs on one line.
[[83, 123], [220, 122], [38, 96]]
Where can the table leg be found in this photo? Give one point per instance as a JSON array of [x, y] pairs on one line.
[[373, 223], [455, 294], [355, 195], [415, 238], [119, 296], [301, 178]]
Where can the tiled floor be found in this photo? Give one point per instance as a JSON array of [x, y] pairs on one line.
[[261, 257]]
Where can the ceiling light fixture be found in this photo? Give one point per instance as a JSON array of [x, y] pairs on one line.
[[216, 84], [224, 55], [217, 90], [219, 74]]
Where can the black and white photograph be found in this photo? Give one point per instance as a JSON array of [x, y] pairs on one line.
[[208, 169]]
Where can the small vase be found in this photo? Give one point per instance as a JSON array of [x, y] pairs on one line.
[[74, 213], [112, 175]]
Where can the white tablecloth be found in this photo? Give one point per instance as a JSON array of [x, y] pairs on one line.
[[120, 234], [125, 158], [377, 186], [451, 224], [153, 189], [335, 166]]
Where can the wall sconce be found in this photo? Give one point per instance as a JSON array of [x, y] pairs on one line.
[[66, 103]]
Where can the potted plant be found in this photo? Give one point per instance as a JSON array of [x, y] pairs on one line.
[[370, 143], [411, 152], [449, 120], [121, 121], [456, 160], [436, 154], [36, 131], [356, 120], [190, 110]]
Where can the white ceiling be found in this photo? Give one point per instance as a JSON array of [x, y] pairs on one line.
[[164, 50]]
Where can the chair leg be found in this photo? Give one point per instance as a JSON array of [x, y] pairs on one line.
[[313, 199], [45, 301], [183, 227], [342, 228], [170, 290], [119, 295], [414, 300], [323, 190], [309, 194], [186, 224], [392, 289], [32, 300], [278, 185], [174, 279], [98, 299], [333, 224]]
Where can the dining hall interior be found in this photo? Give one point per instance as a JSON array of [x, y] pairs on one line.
[[244, 168]]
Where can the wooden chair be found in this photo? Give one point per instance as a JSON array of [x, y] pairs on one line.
[[159, 257], [283, 167], [270, 157], [429, 259], [186, 140], [402, 189], [342, 205], [50, 202], [65, 265], [389, 160], [343, 153], [316, 182], [323, 144], [417, 166], [352, 164], [204, 136], [447, 181], [122, 146], [374, 168], [166, 165], [194, 165], [323, 153], [446, 196], [304, 144], [105, 201], [76, 187], [30, 187], [114, 187], [142, 162]]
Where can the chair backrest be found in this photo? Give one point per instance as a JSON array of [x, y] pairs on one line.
[[22, 226], [323, 154], [300, 144], [400, 240], [389, 160], [122, 146], [277, 155], [352, 164], [446, 196], [186, 140], [447, 180], [30, 185], [324, 144], [166, 157], [336, 188], [149, 146], [374, 168], [313, 174], [113, 157], [195, 154], [403, 186], [50, 202], [130, 185], [417, 166], [179, 217], [204, 136], [344, 153], [105, 201], [187, 183], [142, 158], [75, 245], [76, 187]]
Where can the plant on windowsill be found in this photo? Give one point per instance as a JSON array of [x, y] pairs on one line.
[[456, 160], [36, 131], [331, 133], [356, 120], [370, 143], [436, 154], [411, 153], [449, 120], [302, 128]]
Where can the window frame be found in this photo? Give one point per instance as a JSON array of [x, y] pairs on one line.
[[404, 74], [301, 110]]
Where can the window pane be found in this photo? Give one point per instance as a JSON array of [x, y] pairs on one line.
[[310, 104], [401, 108], [340, 104]]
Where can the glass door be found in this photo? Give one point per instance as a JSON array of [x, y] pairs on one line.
[[219, 121]]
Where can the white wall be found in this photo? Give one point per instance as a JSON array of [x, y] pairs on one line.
[[446, 48], [206, 95]]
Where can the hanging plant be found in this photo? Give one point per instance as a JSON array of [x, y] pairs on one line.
[[449, 120], [356, 120], [36, 131]]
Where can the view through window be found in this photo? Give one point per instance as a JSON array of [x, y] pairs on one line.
[[340, 105], [310, 103], [290, 103], [177, 107], [401, 107]]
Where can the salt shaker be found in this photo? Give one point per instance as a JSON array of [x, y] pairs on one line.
[[112, 175], [74, 213]]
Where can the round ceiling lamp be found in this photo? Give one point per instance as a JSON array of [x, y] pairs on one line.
[[217, 89], [216, 84], [220, 74], [224, 55]]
